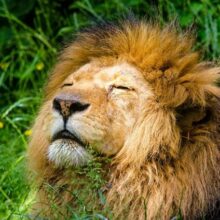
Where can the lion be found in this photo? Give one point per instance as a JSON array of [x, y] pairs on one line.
[[137, 94]]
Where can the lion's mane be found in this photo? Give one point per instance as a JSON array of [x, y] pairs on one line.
[[170, 163]]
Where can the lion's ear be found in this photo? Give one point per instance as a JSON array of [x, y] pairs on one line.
[[188, 117]]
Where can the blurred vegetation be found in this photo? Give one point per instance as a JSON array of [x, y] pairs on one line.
[[31, 34]]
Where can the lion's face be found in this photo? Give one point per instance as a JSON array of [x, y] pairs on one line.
[[96, 107]]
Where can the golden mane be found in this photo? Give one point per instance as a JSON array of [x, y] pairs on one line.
[[170, 163]]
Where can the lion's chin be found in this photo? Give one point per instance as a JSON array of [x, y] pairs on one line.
[[66, 152]]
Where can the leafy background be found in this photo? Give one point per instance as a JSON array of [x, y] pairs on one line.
[[32, 32]]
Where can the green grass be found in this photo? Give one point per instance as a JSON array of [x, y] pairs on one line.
[[31, 34]]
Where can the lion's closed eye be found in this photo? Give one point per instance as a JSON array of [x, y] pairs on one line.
[[66, 84], [120, 87]]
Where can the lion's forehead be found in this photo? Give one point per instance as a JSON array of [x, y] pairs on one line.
[[124, 73], [103, 77]]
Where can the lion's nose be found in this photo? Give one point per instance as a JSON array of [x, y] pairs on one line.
[[67, 106]]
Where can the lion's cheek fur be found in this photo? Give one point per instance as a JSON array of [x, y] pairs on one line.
[[38, 147], [152, 180]]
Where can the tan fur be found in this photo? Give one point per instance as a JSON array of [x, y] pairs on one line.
[[170, 159]]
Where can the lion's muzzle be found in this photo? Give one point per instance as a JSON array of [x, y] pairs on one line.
[[67, 149], [67, 105]]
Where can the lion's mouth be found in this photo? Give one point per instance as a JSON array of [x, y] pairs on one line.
[[65, 134], [67, 149]]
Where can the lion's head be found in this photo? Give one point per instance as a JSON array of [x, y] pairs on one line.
[[137, 93], [95, 106]]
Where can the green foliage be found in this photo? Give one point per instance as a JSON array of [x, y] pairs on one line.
[[87, 187], [93, 184], [31, 34], [203, 15]]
